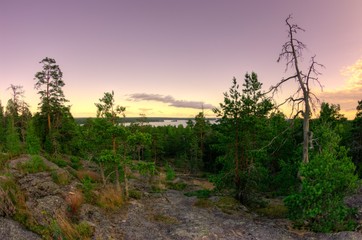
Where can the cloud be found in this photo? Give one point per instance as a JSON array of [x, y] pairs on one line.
[[349, 95], [171, 101], [354, 75]]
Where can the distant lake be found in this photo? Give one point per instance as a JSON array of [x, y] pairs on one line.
[[156, 122], [175, 123]]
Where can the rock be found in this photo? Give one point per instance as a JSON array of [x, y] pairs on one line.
[[11, 230], [39, 185]]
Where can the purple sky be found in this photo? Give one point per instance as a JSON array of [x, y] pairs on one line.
[[170, 57]]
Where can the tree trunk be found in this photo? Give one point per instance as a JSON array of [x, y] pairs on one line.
[[306, 131], [125, 180], [102, 174], [237, 177], [118, 186]]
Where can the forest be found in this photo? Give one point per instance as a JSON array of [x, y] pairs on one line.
[[312, 160]]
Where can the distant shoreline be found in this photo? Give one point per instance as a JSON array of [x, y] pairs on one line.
[[82, 120]]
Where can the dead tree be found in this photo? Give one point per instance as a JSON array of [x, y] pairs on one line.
[[303, 100]]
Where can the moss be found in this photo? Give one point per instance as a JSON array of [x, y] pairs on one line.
[[135, 194], [203, 193], [203, 203], [179, 186], [164, 219], [273, 211], [228, 204]]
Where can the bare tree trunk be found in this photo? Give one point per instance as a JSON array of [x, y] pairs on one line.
[[306, 131]]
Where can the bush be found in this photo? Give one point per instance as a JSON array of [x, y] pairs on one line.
[[326, 180], [75, 163]]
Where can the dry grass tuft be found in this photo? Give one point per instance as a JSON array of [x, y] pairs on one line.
[[109, 198], [7, 207], [74, 201], [82, 174], [63, 228]]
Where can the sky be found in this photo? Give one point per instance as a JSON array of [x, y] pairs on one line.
[[171, 58]]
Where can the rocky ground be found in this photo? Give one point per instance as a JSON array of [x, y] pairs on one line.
[[156, 215]]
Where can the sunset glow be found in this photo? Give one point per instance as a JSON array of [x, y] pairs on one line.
[[174, 58]]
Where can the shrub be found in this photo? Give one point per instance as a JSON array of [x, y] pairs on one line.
[[58, 160], [170, 173], [75, 163], [326, 180], [87, 188]]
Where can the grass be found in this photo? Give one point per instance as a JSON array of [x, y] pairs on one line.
[[62, 228], [34, 165], [109, 198], [7, 206], [4, 158], [12, 202], [228, 204], [275, 209], [60, 177]]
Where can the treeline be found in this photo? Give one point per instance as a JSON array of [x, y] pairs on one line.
[[253, 150]]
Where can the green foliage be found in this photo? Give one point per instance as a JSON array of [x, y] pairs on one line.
[[87, 188], [32, 141], [146, 168], [13, 144], [170, 173], [75, 162], [242, 125], [34, 165], [58, 160], [326, 180]]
